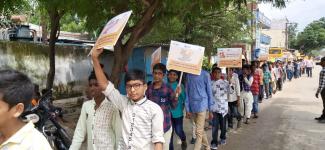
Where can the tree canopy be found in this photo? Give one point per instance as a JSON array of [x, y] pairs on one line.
[[312, 37]]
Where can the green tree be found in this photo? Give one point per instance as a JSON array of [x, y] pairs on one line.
[[55, 10], [292, 36], [312, 37], [145, 14]]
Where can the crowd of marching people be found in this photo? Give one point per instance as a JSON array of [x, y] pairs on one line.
[[152, 113]]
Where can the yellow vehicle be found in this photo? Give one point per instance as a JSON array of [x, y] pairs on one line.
[[275, 53]]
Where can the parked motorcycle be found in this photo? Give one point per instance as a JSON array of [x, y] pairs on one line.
[[44, 116]]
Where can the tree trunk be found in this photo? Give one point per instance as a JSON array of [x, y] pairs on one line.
[[55, 24], [123, 52], [44, 28]]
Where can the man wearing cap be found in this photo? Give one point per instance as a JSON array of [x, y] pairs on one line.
[[321, 90]]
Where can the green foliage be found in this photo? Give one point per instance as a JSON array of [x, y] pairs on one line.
[[206, 65], [211, 29], [9, 7], [292, 35], [313, 36], [73, 23]]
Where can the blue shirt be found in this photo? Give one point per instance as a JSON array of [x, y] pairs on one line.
[[199, 96]]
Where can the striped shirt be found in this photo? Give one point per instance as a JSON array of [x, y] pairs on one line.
[[142, 121], [26, 138], [321, 80], [255, 88]]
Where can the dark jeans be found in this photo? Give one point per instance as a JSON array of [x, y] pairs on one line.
[[266, 87], [309, 71], [279, 84], [177, 124], [290, 74], [271, 88], [323, 98], [218, 122], [233, 113], [261, 93]]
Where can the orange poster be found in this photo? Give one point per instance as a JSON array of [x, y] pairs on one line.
[[230, 57], [112, 31]]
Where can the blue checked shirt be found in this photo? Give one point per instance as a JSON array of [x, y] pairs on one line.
[[321, 80]]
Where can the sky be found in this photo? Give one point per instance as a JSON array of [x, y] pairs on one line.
[[302, 12]]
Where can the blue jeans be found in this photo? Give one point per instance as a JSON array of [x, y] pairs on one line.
[[218, 122], [261, 95], [233, 113], [255, 104], [177, 124], [290, 74], [309, 71], [271, 88]]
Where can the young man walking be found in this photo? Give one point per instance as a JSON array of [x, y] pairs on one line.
[[220, 91], [163, 95], [234, 98], [142, 119], [198, 100], [321, 90]]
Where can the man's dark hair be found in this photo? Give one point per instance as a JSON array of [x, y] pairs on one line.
[[216, 69], [161, 67], [175, 71], [322, 59], [15, 87], [93, 76], [135, 75], [246, 66]]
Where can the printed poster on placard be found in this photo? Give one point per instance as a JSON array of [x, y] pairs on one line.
[[155, 57], [185, 57], [230, 57], [112, 31], [263, 57]]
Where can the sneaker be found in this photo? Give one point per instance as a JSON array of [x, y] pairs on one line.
[[193, 140], [222, 142], [184, 145], [214, 146], [255, 116], [247, 121], [319, 118]]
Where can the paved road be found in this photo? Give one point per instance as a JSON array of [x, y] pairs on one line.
[[286, 122]]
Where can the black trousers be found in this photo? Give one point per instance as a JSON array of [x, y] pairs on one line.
[[279, 84], [323, 98]]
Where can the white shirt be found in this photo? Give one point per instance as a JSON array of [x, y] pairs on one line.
[[309, 63], [142, 121], [278, 72], [220, 91], [234, 88], [26, 138], [101, 126]]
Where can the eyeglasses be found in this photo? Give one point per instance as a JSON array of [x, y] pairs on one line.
[[135, 86]]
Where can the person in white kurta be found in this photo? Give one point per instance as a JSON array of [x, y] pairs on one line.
[[99, 122]]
